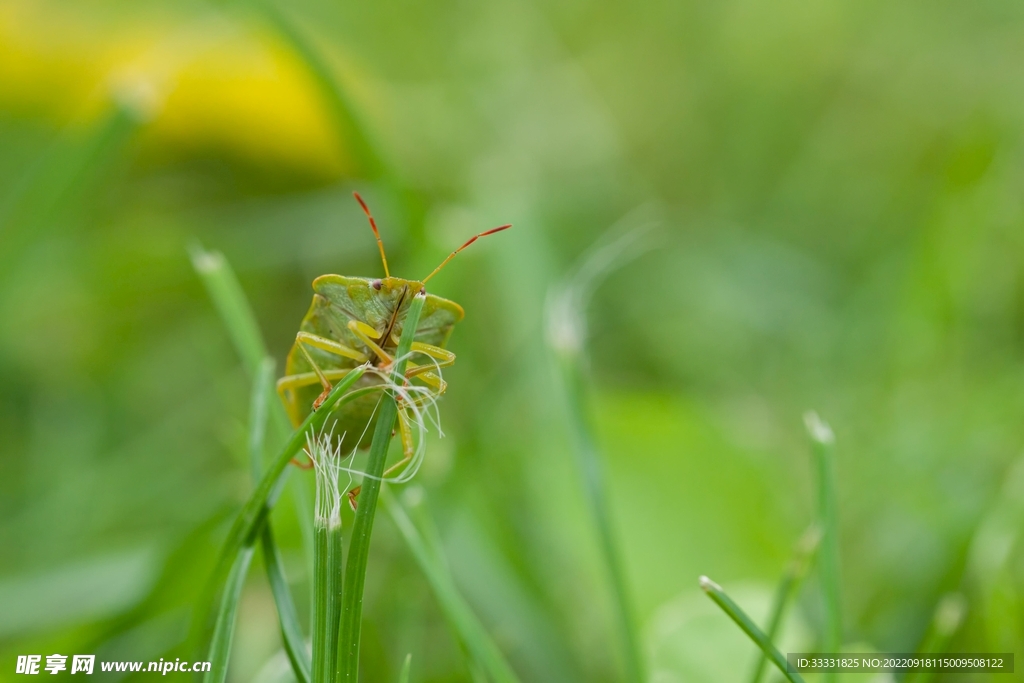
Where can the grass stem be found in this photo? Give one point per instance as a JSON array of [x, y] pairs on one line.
[[949, 614], [589, 462], [230, 301], [326, 597], [720, 598], [291, 632], [249, 523], [359, 546], [481, 647], [287, 616], [787, 590], [327, 557], [224, 628], [823, 442], [403, 676]]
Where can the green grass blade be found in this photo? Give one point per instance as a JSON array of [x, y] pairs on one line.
[[250, 520], [949, 614], [326, 598], [828, 557], [716, 593], [589, 463], [483, 650], [229, 299], [403, 676], [320, 616], [232, 305], [327, 559], [224, 629], [359, 546], [787, 589], [989, 561], [236, 313], [291, 632], [262, 388], [566, 332]]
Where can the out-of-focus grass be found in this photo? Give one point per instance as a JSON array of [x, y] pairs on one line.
[[722, 599], [482, 650], [840, 199], [787, 591]]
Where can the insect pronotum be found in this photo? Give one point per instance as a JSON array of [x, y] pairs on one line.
[[357, 320]]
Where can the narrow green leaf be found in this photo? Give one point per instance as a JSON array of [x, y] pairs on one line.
[[237, 315], [720, 598], [224, 631], [327, 558], [483, 650], [403, 676], [989, 569], [359, 546], [326, 598], [949, 614], [291, 632], [828, 558], [259, 397], [232, 305], [589, 463], [787, 589], [250, 520], [566, 334], [235, 312]]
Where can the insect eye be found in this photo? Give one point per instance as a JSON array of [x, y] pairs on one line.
[[376, 284]]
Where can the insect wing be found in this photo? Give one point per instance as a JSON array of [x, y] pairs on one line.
[[437, 320]]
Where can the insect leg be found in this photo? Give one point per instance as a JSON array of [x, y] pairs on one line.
[[408, 451], [304, 379], [324, 382], [352, 495], [283, 387], [428, 377], [303, 465], [330, 346], [290, 382], [304, 338], [444, 357], [366, 334]]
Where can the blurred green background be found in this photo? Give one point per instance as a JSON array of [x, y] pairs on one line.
[[835, 195]]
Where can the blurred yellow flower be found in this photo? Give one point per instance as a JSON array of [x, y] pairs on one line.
[[212, 83]]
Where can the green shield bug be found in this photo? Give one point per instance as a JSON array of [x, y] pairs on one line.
[[357, 320]]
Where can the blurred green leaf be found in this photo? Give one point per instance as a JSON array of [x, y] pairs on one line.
[[478, 642], [81, 591]]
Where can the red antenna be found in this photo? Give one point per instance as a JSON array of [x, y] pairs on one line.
[[468, 242], [373, 224]]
